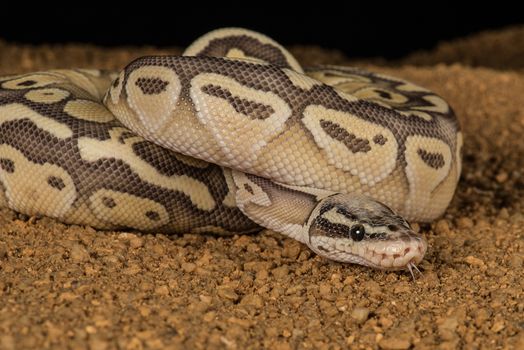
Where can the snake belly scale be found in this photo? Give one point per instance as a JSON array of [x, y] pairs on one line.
[[231, 136]]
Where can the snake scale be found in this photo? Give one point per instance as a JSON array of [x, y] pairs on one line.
[[230, 136]]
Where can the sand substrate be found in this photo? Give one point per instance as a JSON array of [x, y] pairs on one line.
[[73, 287]]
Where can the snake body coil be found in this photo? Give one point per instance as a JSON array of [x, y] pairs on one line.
[[232, 135]]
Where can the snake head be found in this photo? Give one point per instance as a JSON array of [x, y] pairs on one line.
[[358, 229]]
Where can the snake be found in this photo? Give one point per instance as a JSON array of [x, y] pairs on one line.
[[233, 136]]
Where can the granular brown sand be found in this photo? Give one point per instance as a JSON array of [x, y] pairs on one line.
[[73, 287]]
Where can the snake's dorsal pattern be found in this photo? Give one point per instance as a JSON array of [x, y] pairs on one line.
[[63, 155], [233, 129]]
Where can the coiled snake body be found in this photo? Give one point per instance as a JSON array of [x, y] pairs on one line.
[[232, 135]]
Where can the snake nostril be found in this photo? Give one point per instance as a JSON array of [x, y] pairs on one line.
[[407, 250]]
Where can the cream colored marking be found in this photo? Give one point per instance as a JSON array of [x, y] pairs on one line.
[[237, 54], [300, 80], [80, 80], [27, 189], [92, 150], [371, 167], [240, 137], [420, 114], [201, 43], [334, 217], [41, 79], [88, 110], [153, 110], [47, 96], [16, 111], [229, 200], [405, 86], [129, 210], [92, 72], [437, 104], [337, 78], [422, 178], [115, 91]]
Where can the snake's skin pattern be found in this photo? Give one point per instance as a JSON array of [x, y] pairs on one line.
[[233, 134]]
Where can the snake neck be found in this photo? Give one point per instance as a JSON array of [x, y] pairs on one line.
[[282, 208]]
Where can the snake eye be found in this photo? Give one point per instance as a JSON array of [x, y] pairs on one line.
[[357, 232]]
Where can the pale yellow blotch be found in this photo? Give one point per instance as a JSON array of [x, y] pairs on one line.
[[47, 96], [406, 86], [300, 80], [16, 111], [155, 109], [82, 81], [92, 72], [229, 200], [240, 137], [333, 216], [420, 114], [238, 54], [27, 189], [128, 210], [92, 150], [422, 178], [40, 79], [337, 78], [437, 104], [88, 110], [372, 166]]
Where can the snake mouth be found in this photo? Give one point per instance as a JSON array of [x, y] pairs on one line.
[[390, 255], [396, 255]]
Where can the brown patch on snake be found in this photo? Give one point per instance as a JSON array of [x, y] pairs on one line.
[[153, 215], [434, 160], [252, 109], [109, 202], [248, 188], [380, 139], [56, 182], [353, 143], [151, 86], [250, 46], [7, 165]]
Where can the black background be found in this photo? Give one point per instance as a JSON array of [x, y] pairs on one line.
[[358, 29]]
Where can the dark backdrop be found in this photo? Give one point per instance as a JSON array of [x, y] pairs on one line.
[[373, 28]]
